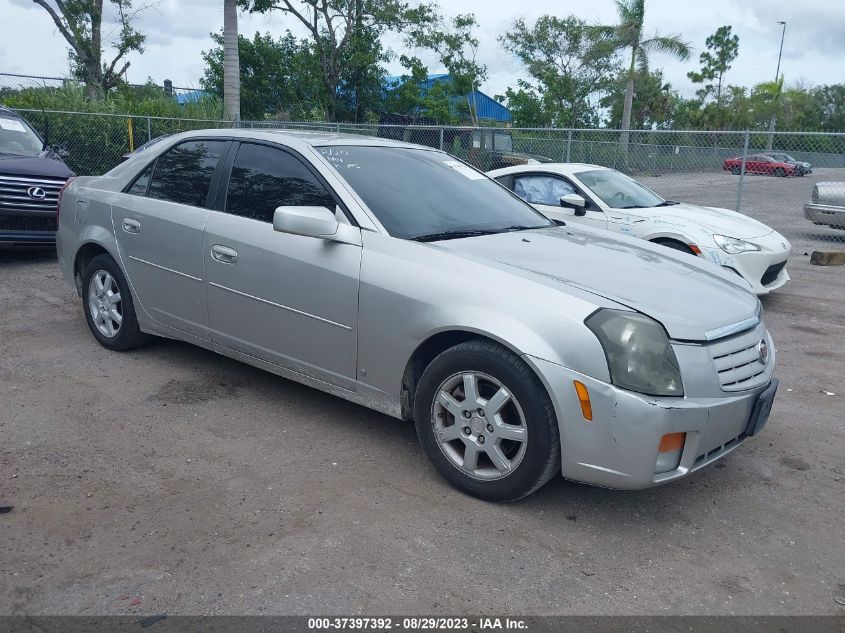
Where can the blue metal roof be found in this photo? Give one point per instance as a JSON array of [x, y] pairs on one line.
[[486, 107], [190, 96]]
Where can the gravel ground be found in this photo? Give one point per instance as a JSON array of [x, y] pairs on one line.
[[173, 480]]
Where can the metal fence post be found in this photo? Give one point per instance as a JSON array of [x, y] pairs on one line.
[[568, 144], [742, 172], [441, 138], [149, 129]]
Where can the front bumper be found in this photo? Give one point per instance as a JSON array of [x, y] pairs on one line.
[[27, 239], [829, 214], [764, 270], [619, 447]]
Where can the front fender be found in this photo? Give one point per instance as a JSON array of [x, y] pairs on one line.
[[406, 298]]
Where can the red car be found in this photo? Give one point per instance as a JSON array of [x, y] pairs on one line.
[[760, 164]]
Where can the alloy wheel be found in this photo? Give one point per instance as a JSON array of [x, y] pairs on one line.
[[105, 304], [479, 425]]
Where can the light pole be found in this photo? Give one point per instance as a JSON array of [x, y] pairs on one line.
[[770, 140]]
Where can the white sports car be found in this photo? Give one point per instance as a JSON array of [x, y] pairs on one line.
[[605, 198]]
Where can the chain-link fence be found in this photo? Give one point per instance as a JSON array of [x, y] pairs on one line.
[[792, 182]]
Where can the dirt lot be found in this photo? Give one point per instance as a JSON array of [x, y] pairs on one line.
[[203, 486]]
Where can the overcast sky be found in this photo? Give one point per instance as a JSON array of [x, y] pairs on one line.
[[177, 32]]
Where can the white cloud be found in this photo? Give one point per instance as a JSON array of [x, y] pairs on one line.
[[177, 32]]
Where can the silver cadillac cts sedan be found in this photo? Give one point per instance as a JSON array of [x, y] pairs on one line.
[[400, 278]]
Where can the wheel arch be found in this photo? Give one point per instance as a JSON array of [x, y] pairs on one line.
[[677, 240], [434, 345], [90, 246]]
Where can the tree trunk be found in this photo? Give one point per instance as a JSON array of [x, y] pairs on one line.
[[231, 61], [93, 80], [93, 61], [771, 137], [629, 103]]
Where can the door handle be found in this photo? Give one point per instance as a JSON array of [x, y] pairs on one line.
[[131, 225], [224, 254]]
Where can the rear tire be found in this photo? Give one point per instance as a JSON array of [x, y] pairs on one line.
[[736, 170], [780, 172], [486, 422], [108, 306]]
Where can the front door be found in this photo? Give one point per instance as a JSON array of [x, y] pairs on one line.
[[286, 299], [544, 191], [158, 222]]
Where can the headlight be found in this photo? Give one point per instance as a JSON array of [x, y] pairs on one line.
[[638, 352], [733, 245]]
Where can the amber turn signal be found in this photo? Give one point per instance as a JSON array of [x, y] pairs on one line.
[[672, 442], [584, 399]]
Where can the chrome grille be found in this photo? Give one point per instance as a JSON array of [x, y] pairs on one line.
[[737, 359], [14, 196]]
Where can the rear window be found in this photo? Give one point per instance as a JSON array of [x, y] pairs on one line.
[[183, 174]]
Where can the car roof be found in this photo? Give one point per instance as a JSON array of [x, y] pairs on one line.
[[305, 137], [566, 169]]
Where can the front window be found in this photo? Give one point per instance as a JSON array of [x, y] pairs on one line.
[[417, 194], [16, 137], [547, 190], [264, 178], [618, 191]]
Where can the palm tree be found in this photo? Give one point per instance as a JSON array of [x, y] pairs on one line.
[[628, 34], [231, 61]]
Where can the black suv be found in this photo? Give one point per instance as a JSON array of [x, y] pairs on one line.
[[31, 177]]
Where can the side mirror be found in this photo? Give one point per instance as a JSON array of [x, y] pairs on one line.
[[308, 221], [574, 201], [317, 222]]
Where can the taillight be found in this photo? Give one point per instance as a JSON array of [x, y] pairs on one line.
[[61, 191]]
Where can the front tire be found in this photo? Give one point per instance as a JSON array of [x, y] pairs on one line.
[[108, 305], [486, 422]]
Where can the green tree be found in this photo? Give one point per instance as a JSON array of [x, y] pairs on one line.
[[361, 76], [406, 96], [335, 27], [627, 34], [830, 101], [723, 49], [653, 105], [81, 24], [278, 77], [456, 45], [569, 61], [527, 107]]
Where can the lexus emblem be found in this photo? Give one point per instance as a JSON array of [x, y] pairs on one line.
[[36, 193], [763, 350]]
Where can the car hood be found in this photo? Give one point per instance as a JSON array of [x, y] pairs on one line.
[[721, 221], [42, 165], [687, 295]]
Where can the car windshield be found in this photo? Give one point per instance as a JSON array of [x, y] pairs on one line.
[[618, 191], [16, 137], [427, 194]]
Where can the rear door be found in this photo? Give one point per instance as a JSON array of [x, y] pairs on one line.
[[755, 164], [544, 191], [159, 221], [287, 299]]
